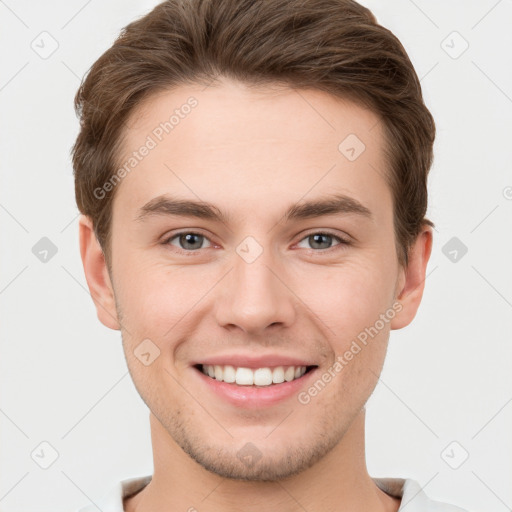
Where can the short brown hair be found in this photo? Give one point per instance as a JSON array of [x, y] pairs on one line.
[[335, 46]]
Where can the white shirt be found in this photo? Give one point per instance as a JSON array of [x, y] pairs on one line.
[[409, 490]]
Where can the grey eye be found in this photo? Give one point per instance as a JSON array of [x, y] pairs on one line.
[[188, 241], [320, 240]]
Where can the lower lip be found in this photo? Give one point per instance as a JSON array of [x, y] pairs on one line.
[[255, 396]]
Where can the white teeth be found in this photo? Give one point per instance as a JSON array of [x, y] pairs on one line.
[[258, 377], [244, 377], [289, 373], [229, 374], [278, 375], [263, 377]]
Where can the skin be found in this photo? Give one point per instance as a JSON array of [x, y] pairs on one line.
[[254, 153]]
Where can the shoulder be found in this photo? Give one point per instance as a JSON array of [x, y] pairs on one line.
[[413, 497], [121, 491]]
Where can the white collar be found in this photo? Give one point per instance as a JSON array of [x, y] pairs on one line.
[[412, 495]]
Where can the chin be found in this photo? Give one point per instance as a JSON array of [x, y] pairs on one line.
[[253, 464], [258, 458]]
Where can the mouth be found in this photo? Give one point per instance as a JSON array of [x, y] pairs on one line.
[[270, 376]]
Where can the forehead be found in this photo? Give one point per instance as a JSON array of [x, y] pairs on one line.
[[232, 143]]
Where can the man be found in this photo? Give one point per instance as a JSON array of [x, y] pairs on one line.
[[253, 182]]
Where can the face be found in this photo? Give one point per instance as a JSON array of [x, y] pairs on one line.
[[288, 258]]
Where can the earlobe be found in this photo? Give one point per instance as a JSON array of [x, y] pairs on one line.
[[96, 274], [412, 282]]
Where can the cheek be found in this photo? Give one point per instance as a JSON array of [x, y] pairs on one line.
[[348, 297], [156, 298]]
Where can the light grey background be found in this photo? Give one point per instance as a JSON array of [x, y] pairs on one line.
[[447, 378]]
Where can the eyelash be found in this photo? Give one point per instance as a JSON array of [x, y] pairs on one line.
[[342, 241]]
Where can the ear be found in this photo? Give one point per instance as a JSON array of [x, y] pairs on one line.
[[411, 281], [96, 274]]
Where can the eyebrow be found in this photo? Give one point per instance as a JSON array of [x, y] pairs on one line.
[[331, 205]]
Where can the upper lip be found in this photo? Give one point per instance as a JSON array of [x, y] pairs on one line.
[[252, 361]]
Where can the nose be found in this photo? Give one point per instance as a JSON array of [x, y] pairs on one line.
[[255, 297]]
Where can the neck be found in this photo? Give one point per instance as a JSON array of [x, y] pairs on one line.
[[339, 481]]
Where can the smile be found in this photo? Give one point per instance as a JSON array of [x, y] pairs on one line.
[[242, 376]]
